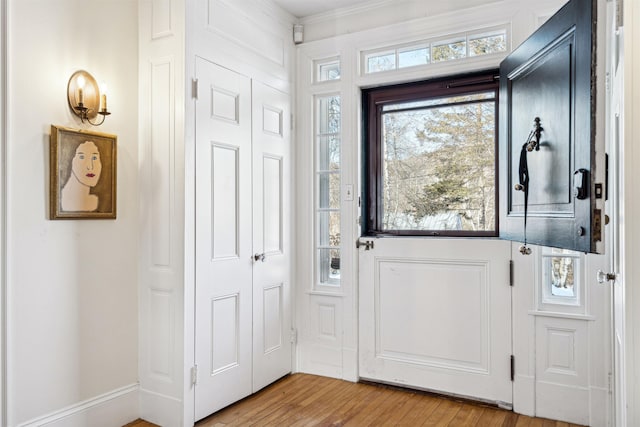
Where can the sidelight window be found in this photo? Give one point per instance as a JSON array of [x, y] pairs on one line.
[[327, 189]]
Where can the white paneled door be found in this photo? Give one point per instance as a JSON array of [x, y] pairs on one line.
[[271, 237], [242, 241], [436, 315], [224, 265]]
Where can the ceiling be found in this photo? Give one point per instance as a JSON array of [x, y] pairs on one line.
[[302, 8]]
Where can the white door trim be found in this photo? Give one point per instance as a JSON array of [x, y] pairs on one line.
[[3, 204], [630, 207]]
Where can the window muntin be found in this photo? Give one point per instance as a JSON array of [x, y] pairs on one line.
[[327, 189], [456, 47], [431, 158]]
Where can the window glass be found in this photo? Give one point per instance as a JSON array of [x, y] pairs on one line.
[[560, 272], [328, 70], [413, 56], [431, 165], [439, 171], [381, 62], [450, 50], [483, 45]]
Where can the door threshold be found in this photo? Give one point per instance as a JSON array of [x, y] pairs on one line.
[[436, 393]]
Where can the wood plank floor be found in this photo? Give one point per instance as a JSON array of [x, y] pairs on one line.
[[303, 400]]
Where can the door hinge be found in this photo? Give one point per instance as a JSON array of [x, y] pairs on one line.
[[510, 272], [194, 89], [294, 336], [513, 367], [194, 375]]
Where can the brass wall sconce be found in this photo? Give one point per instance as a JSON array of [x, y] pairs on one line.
[[85, 100]]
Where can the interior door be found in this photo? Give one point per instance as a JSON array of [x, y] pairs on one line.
[[435, 314], [224, 257], [271, 235]]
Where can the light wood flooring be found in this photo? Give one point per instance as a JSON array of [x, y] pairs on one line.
[[309, 400]]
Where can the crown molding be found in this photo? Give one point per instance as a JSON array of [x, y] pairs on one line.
[[346, 11]]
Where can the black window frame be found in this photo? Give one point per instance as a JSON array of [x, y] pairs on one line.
[[373, 101]]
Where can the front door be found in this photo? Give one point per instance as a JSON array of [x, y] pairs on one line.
[[436, 315]]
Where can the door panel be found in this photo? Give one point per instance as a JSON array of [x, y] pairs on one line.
[[435, 314], [223, 239], [400, 282], [224, 179], [271, 235], [552, 76]]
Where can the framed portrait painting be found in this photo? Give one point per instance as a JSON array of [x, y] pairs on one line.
[[82, 174]]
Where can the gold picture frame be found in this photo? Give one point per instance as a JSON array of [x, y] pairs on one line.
[[82, 174]]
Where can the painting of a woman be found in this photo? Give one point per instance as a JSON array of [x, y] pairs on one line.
[[83, 167], [85, 174]]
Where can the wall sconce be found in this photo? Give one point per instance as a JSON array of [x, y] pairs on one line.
[[84, 98]]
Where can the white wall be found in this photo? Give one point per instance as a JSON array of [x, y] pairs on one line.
[[72, 294], [411, 14]]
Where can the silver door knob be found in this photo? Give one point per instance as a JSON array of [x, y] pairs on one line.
[[605, 277], [259, 257]]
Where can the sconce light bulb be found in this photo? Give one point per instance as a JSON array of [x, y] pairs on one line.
[[81, 81]]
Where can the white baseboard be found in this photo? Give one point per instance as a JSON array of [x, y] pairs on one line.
[[599, 407], [113, 409], [524, 395], [562, 402], [160, 409], [350, 364]]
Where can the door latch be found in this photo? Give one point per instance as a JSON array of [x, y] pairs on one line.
[[368, 244], [259, 257]]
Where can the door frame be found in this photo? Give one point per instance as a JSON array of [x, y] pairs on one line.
[[629, 231], [3, 209]]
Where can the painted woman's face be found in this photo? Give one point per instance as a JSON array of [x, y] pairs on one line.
[[86, 165]]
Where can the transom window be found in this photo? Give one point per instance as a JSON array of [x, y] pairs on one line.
[[327, 70], [431, 157], [460, 46]]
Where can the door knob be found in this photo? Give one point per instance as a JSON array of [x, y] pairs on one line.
[[259, 257], [605, 277]]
